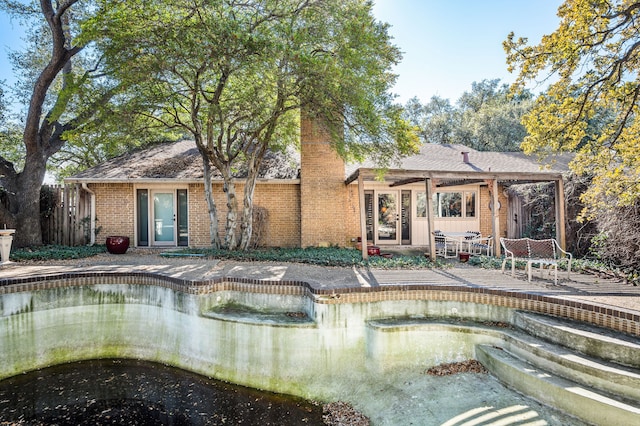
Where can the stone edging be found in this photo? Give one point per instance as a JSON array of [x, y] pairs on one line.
[[617, 319]]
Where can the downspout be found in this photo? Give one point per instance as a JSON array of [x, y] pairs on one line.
[[93, 214]]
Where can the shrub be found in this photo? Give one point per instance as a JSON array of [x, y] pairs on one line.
[[55, 252], [324, 256]]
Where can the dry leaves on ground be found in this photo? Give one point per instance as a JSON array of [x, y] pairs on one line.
[[469, 366], [343, 414]]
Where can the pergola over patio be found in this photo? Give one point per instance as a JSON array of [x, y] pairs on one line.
[[490, 168]]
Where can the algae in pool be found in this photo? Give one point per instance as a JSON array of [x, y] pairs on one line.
[[248, 314], [141, 393]]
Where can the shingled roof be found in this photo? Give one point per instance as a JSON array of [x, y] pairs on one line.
[[448, 161], [450, 158], [178, 161], [182, 161]]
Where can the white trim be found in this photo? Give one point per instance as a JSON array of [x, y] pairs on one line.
[[376, 216], [161, 185], [152, 217], [157, 187], [92, 213], [176, 181]]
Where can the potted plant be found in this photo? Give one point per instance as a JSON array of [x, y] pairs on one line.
[[117, 244]]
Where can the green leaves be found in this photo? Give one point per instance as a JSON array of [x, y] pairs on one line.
[[592, 106], [48, 253], [486, 118], [324, 256]]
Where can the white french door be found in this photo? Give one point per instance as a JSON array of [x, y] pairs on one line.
[[387, 217], [163, 212]]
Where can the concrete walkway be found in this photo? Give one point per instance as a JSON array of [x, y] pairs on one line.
[[585, 287]]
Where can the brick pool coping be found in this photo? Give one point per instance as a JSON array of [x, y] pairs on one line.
[[614, 318]]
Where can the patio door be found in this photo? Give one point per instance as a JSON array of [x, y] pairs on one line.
[[164, 218], [388, 217]]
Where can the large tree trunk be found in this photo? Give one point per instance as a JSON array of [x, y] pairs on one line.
[[28, 230], [211, 204], [229, 187], [23, 203], [246, 225]]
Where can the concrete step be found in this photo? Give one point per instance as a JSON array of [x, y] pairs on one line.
[[569, 396], [609, 377], [590, 340]]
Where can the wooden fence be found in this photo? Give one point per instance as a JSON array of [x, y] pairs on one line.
[[517, 216], [531, 215], [66, 213]]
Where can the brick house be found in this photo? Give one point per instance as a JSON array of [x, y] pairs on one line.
[[156, 196]]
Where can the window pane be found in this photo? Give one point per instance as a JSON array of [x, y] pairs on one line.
[[163, 216], [387, 217], [183, 222], [421, 204], [405, 219], [143, 217], [368, 206], [470, 204], [448, 204]]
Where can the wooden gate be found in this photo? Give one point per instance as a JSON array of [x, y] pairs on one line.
[[66, 215]]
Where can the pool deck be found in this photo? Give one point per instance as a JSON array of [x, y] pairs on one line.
[[589, 288]]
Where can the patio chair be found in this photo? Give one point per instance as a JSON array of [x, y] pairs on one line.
[[445, 245], [480, 244], [466, 243]]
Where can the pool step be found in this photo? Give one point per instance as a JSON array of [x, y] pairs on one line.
[[581, 401], [595, 342], [607, 376]]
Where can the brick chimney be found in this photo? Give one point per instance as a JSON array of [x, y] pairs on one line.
[[323, 194]]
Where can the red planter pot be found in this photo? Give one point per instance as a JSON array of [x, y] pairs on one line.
[[373, 251], [117, 244]]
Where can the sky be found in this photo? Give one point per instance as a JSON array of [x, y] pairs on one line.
[[10, 39], [447, 44]]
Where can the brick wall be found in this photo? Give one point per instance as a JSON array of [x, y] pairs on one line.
[[114, 210], [282, 202], [329, 215], [323, 193], [486, 217], [283, 205], [351, 214], [199, 216]]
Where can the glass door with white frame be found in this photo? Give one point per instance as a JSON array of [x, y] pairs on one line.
[[164, 218], [388, 218]]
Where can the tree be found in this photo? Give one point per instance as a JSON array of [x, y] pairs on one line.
[[489, 117], [235, 74], [58, 99], [437, 120], [69, 101], [591, 106], [42, 135], [9, 134]]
